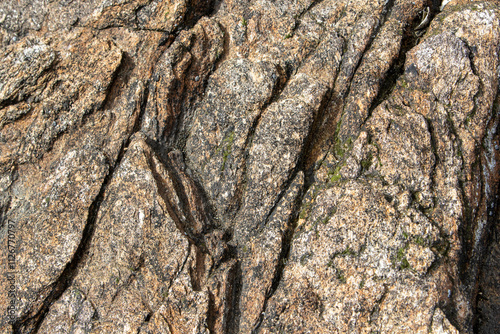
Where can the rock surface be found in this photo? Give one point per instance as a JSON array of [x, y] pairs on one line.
[[249, 167]]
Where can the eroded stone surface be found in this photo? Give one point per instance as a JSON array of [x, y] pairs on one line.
[[249, 167]]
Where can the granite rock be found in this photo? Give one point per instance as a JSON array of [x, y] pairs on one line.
[[249, 167]]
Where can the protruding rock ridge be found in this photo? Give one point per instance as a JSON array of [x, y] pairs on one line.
[[21, 18], [179, 80], [218, 138], [161, 248], [51, 94], [64, 127], [249, 167]]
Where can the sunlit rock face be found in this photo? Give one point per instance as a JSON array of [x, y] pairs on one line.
[[249, 166]]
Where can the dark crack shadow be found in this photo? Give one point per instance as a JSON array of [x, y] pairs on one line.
[[32, 324]]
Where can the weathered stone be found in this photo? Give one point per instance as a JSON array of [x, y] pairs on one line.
[[182, 70], [72, 313], [440, 324], [222, 127], [62, 101], [249, 167], [262, 259]]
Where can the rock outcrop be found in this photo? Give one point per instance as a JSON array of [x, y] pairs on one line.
[[249, 166]]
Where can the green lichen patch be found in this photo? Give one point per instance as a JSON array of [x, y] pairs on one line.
[[334, 174], [341, 276], [367, 162], [226, 147], [400, 259], [347, 252]]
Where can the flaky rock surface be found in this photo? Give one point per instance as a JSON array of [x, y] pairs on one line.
[[249, 166]]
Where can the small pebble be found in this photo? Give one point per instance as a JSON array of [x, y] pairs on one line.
[[196, 78]]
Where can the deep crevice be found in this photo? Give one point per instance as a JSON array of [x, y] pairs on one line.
[[450, 308], [283, 79], [384, 15], [308, 177], [278, 88], [286, 243], [234, 314], [31, 324], [480, 316], [171, 209], [409, 40], [66, 278], [396, 70], [480, 91], [119, 79], [302, 161], [196, 10], [491, 203], [315, 125], [211, 313], [322, 128], [225, 47], [70, 271], [337, 102], [288, 234]]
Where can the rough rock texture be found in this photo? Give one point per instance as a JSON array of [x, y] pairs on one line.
[[249, 166]]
